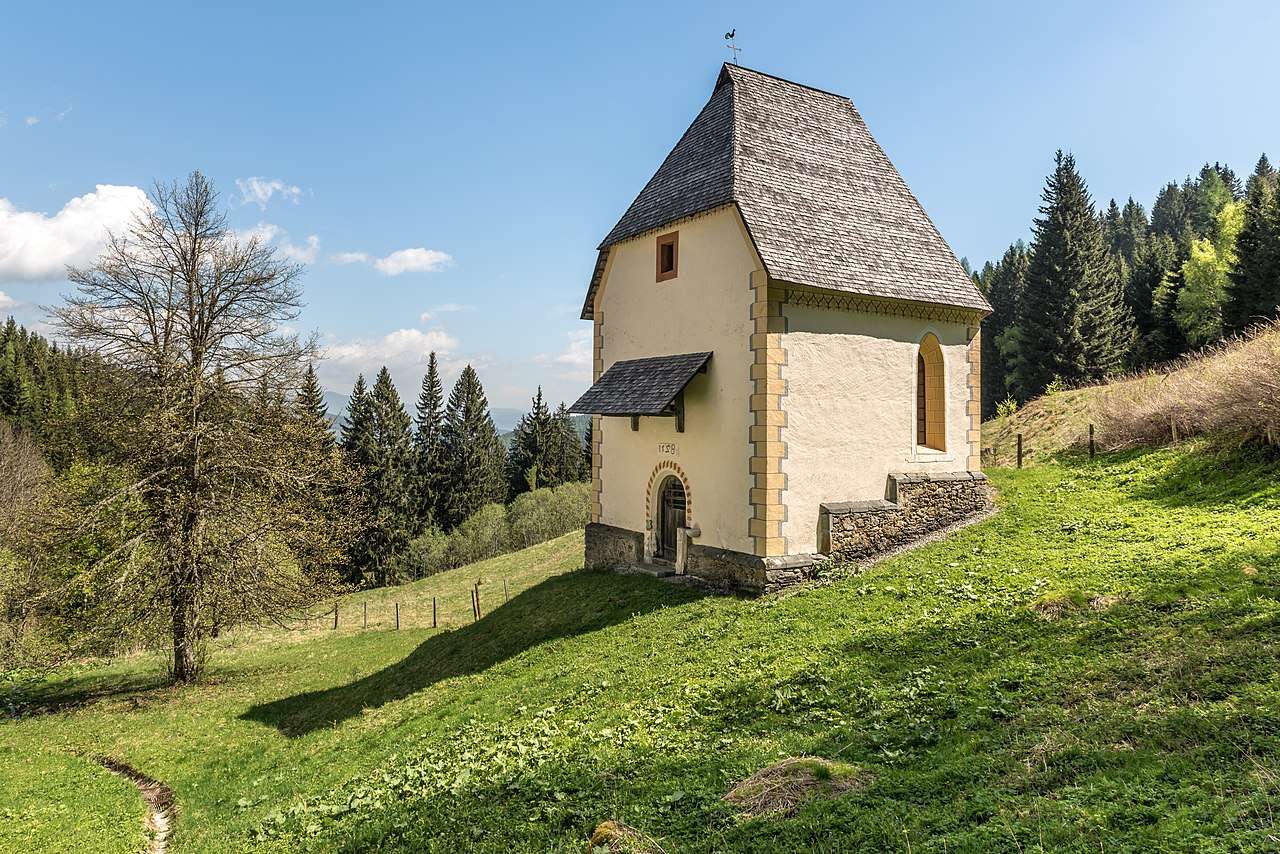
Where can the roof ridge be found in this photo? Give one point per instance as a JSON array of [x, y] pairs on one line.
[[796, 83]]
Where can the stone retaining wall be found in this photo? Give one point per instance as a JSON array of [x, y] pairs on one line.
[[916, 505], [608, 546]]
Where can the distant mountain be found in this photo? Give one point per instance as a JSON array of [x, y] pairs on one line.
[[505, 419], [337, 404]]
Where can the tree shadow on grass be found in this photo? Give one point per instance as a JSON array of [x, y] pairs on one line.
[[563, 606]]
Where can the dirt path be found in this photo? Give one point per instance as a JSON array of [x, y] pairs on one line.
[[162, 812]]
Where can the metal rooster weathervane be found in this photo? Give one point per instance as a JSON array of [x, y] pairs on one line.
[[733, 48]]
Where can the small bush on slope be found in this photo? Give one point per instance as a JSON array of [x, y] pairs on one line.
[[1150, 723]]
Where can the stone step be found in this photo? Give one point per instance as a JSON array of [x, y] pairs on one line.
[[649, 569]]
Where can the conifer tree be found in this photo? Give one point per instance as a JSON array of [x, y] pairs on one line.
[[529, 460], [1003, 287], [391, 479], [1154, 260], [312, 408], [1170, 217], [357, 426], [428, 447], [566, 453], [1253, 290], [587, 449], [1073, 323], [474, 459]]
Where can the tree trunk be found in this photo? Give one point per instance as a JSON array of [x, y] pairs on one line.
[[185, 662]]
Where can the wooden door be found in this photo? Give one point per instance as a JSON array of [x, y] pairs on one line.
[[671, 517]]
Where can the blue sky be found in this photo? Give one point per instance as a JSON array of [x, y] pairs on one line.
[[510, 139]]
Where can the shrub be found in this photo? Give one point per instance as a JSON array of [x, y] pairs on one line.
[[427, 554], [532, 518], [482, 535], [1232, 389], [1006, 407], [544, 514]]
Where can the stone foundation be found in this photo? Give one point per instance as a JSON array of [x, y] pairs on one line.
[[724, 570], [915, 505], [608, 546]]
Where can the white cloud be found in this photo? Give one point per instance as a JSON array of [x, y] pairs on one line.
[[269, 232], [36, 246], [259, 191], [575, 359], [4, 120], [404, 352], [6, 301], [305, 254], [416, 260], [32, 120], [62, 115], [450, 306]]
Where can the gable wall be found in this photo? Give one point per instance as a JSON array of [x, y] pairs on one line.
[[706, 307], [849, 407]]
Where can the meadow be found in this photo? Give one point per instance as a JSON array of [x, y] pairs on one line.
[[1092, 669]]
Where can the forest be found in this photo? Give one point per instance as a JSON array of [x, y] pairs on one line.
[[1101, 293], [172, 470]]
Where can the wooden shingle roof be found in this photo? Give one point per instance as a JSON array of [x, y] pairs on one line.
[[820, 198], [641, 386]]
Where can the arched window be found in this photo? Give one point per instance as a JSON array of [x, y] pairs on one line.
[[931, 397]]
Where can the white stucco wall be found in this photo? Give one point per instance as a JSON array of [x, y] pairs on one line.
[[706, 307], [850, 406]]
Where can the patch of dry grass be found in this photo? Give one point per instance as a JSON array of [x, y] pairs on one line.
[[1232, 389], [782, 788]]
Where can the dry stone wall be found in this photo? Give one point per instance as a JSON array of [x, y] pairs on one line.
[[916, 505]]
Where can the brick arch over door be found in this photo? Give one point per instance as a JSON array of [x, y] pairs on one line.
[[660, 472]]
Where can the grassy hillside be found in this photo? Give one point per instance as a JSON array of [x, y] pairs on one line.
[[1092, 669], [1229, 390]]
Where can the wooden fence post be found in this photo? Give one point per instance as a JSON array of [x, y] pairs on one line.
[[366, 613], [1092, 448], [397, 616], [506, 594], [1019, 450], [433, 612], [335, 615]]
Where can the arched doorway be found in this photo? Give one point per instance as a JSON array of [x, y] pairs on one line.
[[671, 516]]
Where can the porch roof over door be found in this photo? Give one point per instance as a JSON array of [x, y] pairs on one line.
[[647, 386]]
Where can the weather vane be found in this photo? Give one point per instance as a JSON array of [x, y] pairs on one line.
[[733, 48]]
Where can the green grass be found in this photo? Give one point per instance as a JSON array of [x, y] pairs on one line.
[[1093, 669]]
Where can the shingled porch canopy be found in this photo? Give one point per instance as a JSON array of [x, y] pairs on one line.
[[651, 386]]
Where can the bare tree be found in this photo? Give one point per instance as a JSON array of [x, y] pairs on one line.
[[238, 491]]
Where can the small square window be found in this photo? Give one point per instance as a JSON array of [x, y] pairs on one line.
[[668, 255]]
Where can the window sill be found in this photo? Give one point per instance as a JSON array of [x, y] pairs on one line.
[[921, 454]]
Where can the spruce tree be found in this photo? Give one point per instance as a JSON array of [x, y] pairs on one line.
[[357, 426], [566, 453], [1003, 287], [429, 449], [474, 459], [1156, 257], [1133, 231], [1073, 324], [1253, 290], [312, 408], [587, 449], [390, 480], [529, 460], [1170, 217]]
